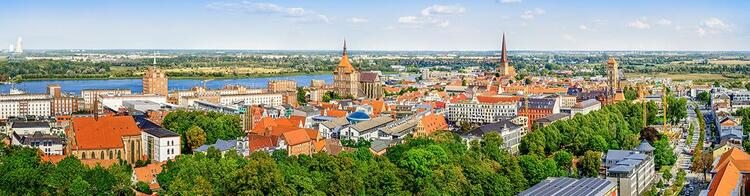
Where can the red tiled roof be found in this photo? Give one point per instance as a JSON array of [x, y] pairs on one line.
[[497, 99], [433, 122], [104, 132], [258, 142], [296, 137], [148, 174], [276, 126], [333, 113], [728, 171]]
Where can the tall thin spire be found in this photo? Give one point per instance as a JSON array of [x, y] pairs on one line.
[[344, 48], [504, 52]]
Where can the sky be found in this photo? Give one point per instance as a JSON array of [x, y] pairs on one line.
[[377, 25]]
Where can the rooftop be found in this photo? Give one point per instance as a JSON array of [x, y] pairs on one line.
[[570, 186]]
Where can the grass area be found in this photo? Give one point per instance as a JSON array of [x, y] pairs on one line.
[[680, 76], [714, 62]]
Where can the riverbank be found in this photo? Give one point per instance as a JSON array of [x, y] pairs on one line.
[[269, 75]]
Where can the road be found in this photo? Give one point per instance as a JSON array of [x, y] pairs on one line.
[[695, 180]]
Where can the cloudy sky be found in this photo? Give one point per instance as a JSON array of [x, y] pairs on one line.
[[378, 24]]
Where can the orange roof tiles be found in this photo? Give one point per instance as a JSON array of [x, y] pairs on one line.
[[497, 99], [378, 106], [344, 65], [257, 142], [432, 122], [319, 145], [274, 126], [296, 137], [728, 170], [148, 174], [333, 113], [104, 132]]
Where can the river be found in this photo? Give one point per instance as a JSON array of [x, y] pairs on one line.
[[75, 86]]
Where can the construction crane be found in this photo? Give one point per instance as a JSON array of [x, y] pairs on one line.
[[642, 98], [664, 105]]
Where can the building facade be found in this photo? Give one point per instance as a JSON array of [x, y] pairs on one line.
[[370, 85], [481, 112], [155, 82], [24, 104], [91, 96], [160, 144], [345, 77], [105, 138]]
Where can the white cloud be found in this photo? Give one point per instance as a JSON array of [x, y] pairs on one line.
[[293, 13], [357, 20], [409, 20], [664, 22], [435, 15], [568, 37], [639, 24], [510, 1], [715, 23], [583, 27], [531, 14], [713, 26], [443, 10], [701, 31]]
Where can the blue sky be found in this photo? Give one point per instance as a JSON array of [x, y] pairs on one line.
[[378, 25]]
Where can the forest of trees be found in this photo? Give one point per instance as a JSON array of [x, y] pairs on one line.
[[200, 127], [23, 173], [439, 164]]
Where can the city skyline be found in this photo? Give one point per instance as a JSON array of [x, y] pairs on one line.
[[408, 26]]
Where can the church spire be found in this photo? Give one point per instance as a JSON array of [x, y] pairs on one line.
[[504, 52], [344, 54]]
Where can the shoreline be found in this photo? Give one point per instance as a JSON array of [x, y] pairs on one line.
[[185, 77]]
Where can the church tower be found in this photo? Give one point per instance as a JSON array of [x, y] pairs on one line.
[[613, 77], [345, 77], [505, 69]]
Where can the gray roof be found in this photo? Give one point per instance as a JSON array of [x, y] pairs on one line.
[[544, 103], [401, 129], [37, 137], [341, 121], [29, 124], [221, 145], [553, 117], [161, 132], [378, 145], [570, 186], [645, 147], [373, 123], [586, 104], [498, 127]]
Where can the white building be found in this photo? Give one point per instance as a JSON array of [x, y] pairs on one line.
[[24, 104], [272, 99], [30, 127], [47, 143], [366, 130], [584, 107], [160, 144], [633, 171], [481, 112], [115, 102], [90, 96]]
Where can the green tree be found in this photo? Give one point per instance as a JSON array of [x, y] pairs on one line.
[[196, 137], [142, 187], [590, 163], [663, 153], [704, 97], [79, 187]]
